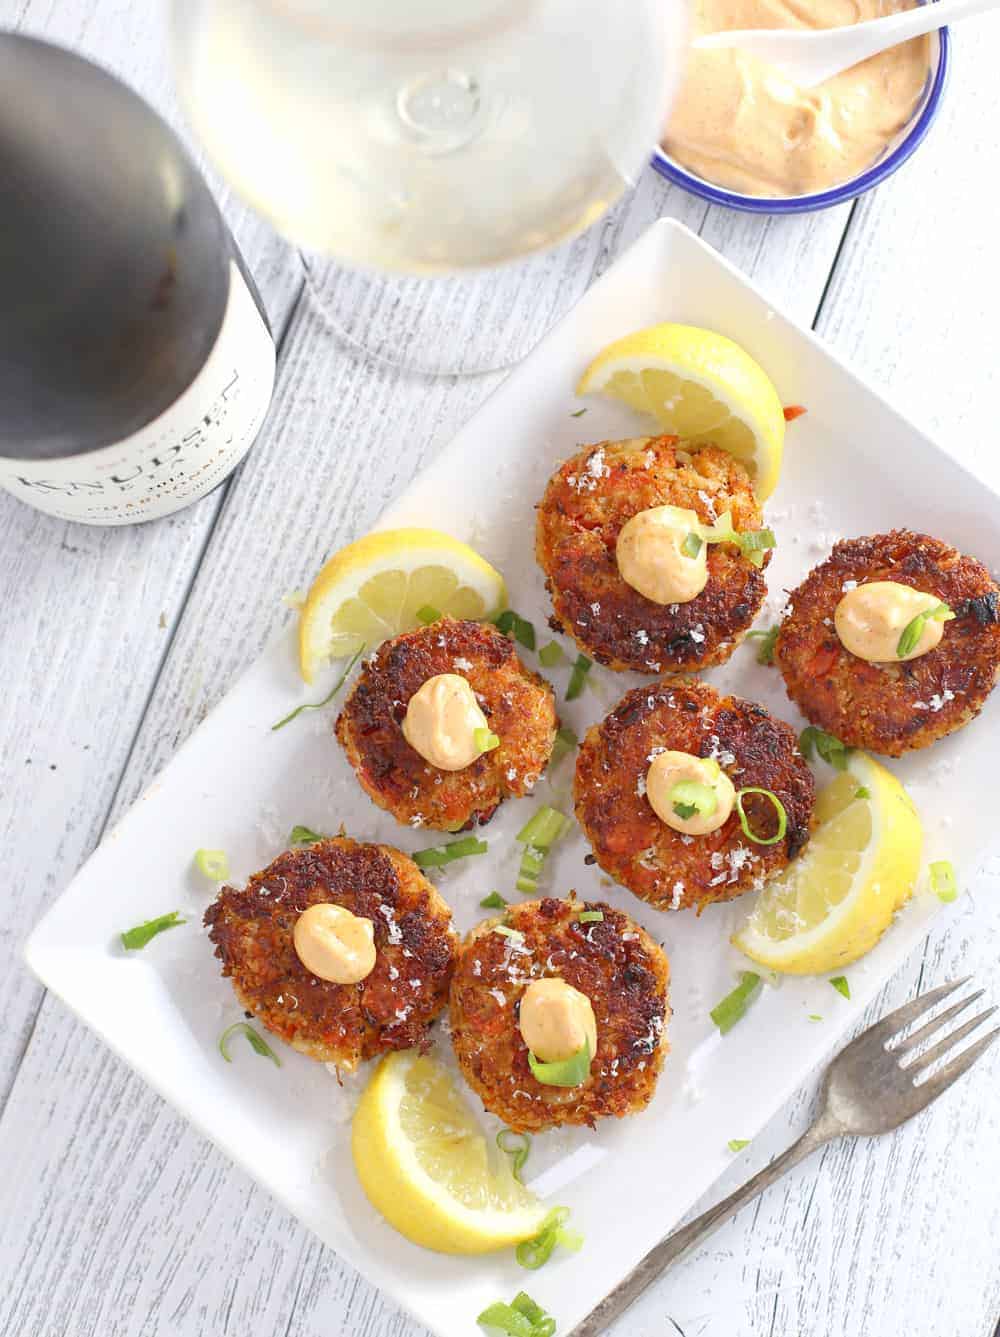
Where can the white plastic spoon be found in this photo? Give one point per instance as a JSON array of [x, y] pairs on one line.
[[809, 56]]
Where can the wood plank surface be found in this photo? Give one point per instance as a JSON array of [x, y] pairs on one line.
[[117, 1219]]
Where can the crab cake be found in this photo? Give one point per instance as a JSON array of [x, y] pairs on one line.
[[666, 867], [892, 707], [588, 502], [611, 961], [517, 706], [414, 950]]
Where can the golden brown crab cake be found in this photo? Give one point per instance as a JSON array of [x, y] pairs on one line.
[[892, 708], [668, 869], [518, 704], [588, 501], [415, 948], [613, 961]]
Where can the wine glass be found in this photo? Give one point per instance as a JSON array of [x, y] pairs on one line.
[[416, 139]]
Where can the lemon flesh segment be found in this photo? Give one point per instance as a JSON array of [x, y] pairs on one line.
[[374, 588], [699, 386], [833, 903], [425, 1164]]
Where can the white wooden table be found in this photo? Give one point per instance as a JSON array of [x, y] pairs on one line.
[[115, 1217]]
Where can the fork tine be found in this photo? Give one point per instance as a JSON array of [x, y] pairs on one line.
[[934, 1086], [949, 1042], [901, 1018], [925, 1032]]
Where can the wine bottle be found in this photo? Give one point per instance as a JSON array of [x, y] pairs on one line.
[[136, 361]]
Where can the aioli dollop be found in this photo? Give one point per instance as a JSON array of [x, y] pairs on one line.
[[651, 560], [441, 722], [669, 769], [556, 1019], [335, 944], [742, 124], [871, 618]]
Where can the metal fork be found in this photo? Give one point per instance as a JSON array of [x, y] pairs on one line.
[[867, 1089]]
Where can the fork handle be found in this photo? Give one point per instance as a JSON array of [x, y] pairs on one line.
[[668, 1250]]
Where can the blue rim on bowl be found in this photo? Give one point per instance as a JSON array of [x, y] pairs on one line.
[[849, 190]]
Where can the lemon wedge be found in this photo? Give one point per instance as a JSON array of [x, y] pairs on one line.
[[425, 1165], [374, 588], [833, 903], [701, 387]]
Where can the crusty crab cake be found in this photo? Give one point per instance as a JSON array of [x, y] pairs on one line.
[[588, 502], [892, 707], [392, 1007], [610, 960], [666, 867], [518, 706]]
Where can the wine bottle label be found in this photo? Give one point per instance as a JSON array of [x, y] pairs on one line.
[[179, 456]]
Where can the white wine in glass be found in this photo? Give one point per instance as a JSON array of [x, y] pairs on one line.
[[426, 137]]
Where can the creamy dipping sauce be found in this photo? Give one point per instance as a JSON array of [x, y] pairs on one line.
[[870, 619], [556, 1020], [693, 811], [741, 124], [651, 557], [444, 722], [335, 944]]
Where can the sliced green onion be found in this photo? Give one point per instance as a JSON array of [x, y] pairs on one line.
[[525, 1305], [504, 1319], [439, 855], [779, 808], [814, 1016], [914, 629], [566, 740], [734, 1006], [841, 985], [485, 740], [428, 614], [524, 631], [536, 1252], [213, 863], [318, 705], [494, 901], [752, 543], [831, 749], [578, 677], [765, 651], [305, 835], [506, 931], [516, 1146], [738, 1143], [862, 791], [538, 836], [257, 1044], [692, 545], [578, 414], [135, 938], [552, 654], [572, 1071], [693, 798], [591, 917], [943, 882]]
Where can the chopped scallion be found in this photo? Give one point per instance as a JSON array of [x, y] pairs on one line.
[[524, 631], [135, 938], [943, 882], [819, 742], [862, 791], [485, 740], [536, 1252], [305, 835], [689, 797], [815, 1016], [257, 1044], [318, 705], [566, 741], [439, 855], [521, 1318], [578, 414], [840, 983], [779, 808], [494, 901], [692, 545], [591, 917], [572, 1071], [506, 931], [734, 1006], [738, 1143], [914, 629], [578, 677], [428, 614], [213, 863], [516, 1146], [552, 654], [538, 836], [765, 651]]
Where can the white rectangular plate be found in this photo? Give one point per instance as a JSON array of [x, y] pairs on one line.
[[853, 466]]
